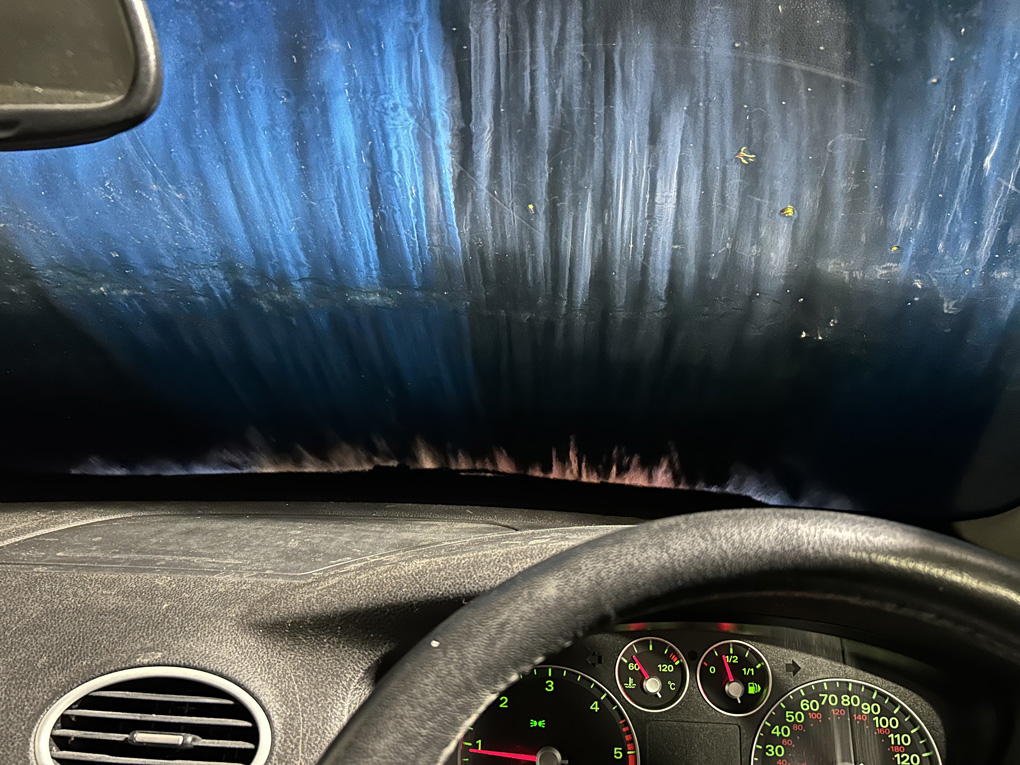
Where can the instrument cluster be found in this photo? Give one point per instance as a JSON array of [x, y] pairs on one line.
[[715, 694]]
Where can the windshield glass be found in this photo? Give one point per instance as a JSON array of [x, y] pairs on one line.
[[764, 247]]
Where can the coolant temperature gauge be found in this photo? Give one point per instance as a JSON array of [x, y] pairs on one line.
[[734, 678], [652, 674]]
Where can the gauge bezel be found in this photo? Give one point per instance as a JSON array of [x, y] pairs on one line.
[[683, 661], [890, 696], [768, 670]]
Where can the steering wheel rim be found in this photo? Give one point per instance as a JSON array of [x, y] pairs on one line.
[[421, 708]]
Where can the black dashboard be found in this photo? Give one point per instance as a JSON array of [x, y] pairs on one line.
[[306, 608]]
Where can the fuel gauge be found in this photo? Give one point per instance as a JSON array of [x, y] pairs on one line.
[[652, 674], [734, 678]]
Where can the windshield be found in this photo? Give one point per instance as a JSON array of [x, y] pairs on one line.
[[766, 247]]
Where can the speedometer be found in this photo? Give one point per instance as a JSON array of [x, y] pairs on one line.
[[842, 722]]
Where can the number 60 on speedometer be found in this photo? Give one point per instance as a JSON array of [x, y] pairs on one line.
[[842, 722]]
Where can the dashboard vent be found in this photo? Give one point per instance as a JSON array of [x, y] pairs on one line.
[[155, 716]]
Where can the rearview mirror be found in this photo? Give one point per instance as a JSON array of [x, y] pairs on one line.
[[75, 71]]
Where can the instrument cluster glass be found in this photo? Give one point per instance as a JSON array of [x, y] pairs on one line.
[[558, 715]]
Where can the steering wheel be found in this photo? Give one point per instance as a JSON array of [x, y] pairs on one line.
[[862, 566]]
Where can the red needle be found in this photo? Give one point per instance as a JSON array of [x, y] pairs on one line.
[[726, 664], [507, 755], [640, 667]]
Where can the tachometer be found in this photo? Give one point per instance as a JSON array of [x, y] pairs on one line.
[[552, 716], [842, 722]]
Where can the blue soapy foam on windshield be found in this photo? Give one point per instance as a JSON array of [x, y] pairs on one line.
[[273, 156], [387, 220], [320, 145], [283, 175]]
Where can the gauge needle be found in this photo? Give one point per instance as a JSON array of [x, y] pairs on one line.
[[507, 755], [729, 672], [734, 689], [651, 684], [636, 661]]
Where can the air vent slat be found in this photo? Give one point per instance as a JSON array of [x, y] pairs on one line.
[[141, 717], [211, 743], [64, 732], [108, 760], [155, 716], [137, 696]]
